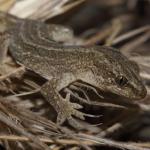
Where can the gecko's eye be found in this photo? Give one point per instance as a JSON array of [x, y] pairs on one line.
[[121, 80]]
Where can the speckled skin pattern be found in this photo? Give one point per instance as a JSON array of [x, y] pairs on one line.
[[36, 45]]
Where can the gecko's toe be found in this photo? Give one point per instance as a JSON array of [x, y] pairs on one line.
[[73, 105], [60, 118], [82, 115], [68, 112], [75, 124], [76, 106], [78, 114]]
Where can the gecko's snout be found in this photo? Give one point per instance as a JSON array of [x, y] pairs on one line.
[[141, 92]]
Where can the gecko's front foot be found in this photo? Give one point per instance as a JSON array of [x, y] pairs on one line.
[[68, 110]]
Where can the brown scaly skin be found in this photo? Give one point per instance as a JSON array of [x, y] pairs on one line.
[[36, 46]]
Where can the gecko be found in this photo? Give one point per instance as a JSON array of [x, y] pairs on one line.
[[38, 46]]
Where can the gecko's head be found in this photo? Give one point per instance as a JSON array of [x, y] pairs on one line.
[[118, 75]]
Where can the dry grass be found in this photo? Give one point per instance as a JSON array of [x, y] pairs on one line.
[[28, 122]]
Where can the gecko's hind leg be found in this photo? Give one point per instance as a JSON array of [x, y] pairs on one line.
[[60, 33], [4, 43]]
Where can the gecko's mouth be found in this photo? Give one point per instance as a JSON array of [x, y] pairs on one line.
[[136, 94]]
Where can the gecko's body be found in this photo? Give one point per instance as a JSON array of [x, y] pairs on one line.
[[35, 45]]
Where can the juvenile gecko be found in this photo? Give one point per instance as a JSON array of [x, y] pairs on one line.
[[36, 45]]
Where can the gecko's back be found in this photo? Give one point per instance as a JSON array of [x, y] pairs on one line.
[[32, 45]]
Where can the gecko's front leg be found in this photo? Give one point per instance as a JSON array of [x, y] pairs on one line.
[[63, 106]]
